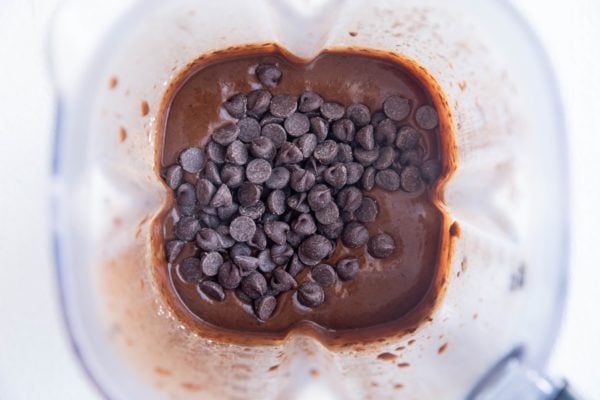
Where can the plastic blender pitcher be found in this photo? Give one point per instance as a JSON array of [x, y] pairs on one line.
[[498, 318]]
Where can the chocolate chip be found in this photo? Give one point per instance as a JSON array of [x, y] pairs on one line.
[[281, 253], [366, 157], [324, 275], [280, 176], [304, 224], [262, 147], [275, 133], [349, 198], [315, 248], [226, 212], [276, 231], [385, 132], [377, 117], [268, 118], [347, 216], [366, 138], [295, 266], [396, 107], [237, 153], [229, 275], [222, 197], [249, 129], [332, 231], [319, 127], [258, 171], [268, 74], [240, 249], [343, 130], [359, 114], [173, 176], [309, 101], [368, 179], [265, 262], [210, 263], [294, 238], [412, 157], [328, 214], [296, 124], [242, 229], [345, 153], [210, 210], [410, 179], [326, 152], [186, 195], [215, 152], [190, 270], [242, 296], [347, 268], [311, 294], [276, 202], [209, 239], [336, 175], [407, 138], [388, 180], [289, 154], [430, 171], [172, 250], [259, 240], [367, 212], [226, 134], [204, 192], [212, 173], [192, 160], [265, 307], [297, 202], [248, 194], [302, 180], [225, 241], [246, 264], [426, 117], [283, 105], [232, 176], [385, 159], [381, 245], [316, 168], [258, 102], [355, 235], [332, 111], [212, 290], [236, 105], [282, 281], [186, 228], [307, 144], [355, 172]]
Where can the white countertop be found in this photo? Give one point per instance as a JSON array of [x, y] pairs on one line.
[[35, 359]]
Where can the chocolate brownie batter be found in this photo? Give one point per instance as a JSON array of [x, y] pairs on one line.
[[387, 291]]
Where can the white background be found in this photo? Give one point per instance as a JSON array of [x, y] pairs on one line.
[[35, 359]]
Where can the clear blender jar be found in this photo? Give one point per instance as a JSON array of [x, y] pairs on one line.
[[501, 310]]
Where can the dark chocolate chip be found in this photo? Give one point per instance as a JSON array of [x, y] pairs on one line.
[[349, 198], [304, 224], [215, 152], [396, 107], [204, 192], [276, 133], [186, 228], [246, 264], [381, 245], [324, 275], [343, 130], [210, 263], [186, 195], [347, 216], [310, 294], [222, 197], [237, 153], [226, 134], [236, 105], [295, 266], [192, 160], [347, 268], [297, 202], [412, 157], [249, 129], [209, 239], [366, 138], [265, 262], [307, 144], [332, 231], [212, 173], [190, 270], [407, 138], [359, 114], [368, 210], [265, 307], [302, 180], [226, 212], [248, 193], [326, 152], [315, 248], [259, 240], [254, 211], [289, 153], [316, 168], [426, 117], [366, 157], [242, 296], [385, 159], [309, 101], [296, 124], [328, 214], [229, 275], [319, 127], [385, 132], [410, 179], [276, 231], [282, 281], [294, 238], [268, 74], [262, 147], [172, 250], [173, 176], [355, 234], [232, 176], [212, 290], [377, 117], [281, 253], [271, 119], [388, 179], [332, 111], [283, 105], [355, 172], [368, 179], [345, 153], [276, 202], [430, 171], [280, 176], [242, 229], [258, 102], [240, 249], [319, 196], [336, 175]]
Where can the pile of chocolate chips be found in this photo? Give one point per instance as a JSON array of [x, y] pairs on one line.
[[273, 192]]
